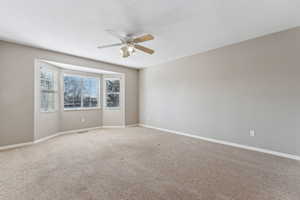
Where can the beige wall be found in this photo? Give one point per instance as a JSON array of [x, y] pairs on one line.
[[71, 120], [17, 89], [223, 93]]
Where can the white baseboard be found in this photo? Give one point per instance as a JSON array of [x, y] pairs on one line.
[[285, 155], [47, 138], [132, 125], [13, 146], [65, 133], [80, 130], [113, 126]]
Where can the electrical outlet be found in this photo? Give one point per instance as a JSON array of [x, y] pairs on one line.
[[252, 132], [82, 119]]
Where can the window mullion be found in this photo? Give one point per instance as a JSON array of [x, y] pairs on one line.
[[81, 88]]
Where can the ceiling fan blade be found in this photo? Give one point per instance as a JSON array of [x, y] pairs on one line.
[[143, 38], [144, 49], [109, 45], [117, 35]]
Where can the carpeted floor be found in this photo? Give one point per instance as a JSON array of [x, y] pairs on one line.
[[143, 164]]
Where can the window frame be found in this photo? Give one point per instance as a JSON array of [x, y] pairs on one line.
[[80, 108], [105, 93], [54, 91]]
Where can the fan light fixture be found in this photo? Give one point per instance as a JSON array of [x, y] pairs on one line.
[[127, 50], [130, 48], [129, 44]]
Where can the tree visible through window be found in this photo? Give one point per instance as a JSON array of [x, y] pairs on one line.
[[81, 92], [48, 89], [112, 93]]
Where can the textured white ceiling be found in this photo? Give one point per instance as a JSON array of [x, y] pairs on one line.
[[181, 27]]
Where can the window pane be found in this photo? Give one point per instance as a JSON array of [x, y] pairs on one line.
[[112, 100], [48, 87], [72, 92], [90, 92], [47, 101], [81, 92], [47, 79], [112, 86]]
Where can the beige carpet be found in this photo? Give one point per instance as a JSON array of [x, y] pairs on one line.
[[143, 164]]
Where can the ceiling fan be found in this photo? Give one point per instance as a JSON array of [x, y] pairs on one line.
[[129, 44]]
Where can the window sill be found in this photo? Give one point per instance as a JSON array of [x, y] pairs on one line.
[[81, 109]]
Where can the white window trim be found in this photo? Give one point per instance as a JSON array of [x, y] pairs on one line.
[[82, 76], [104, 94]]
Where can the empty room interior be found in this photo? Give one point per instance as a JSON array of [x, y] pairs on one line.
[[150, 100]]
